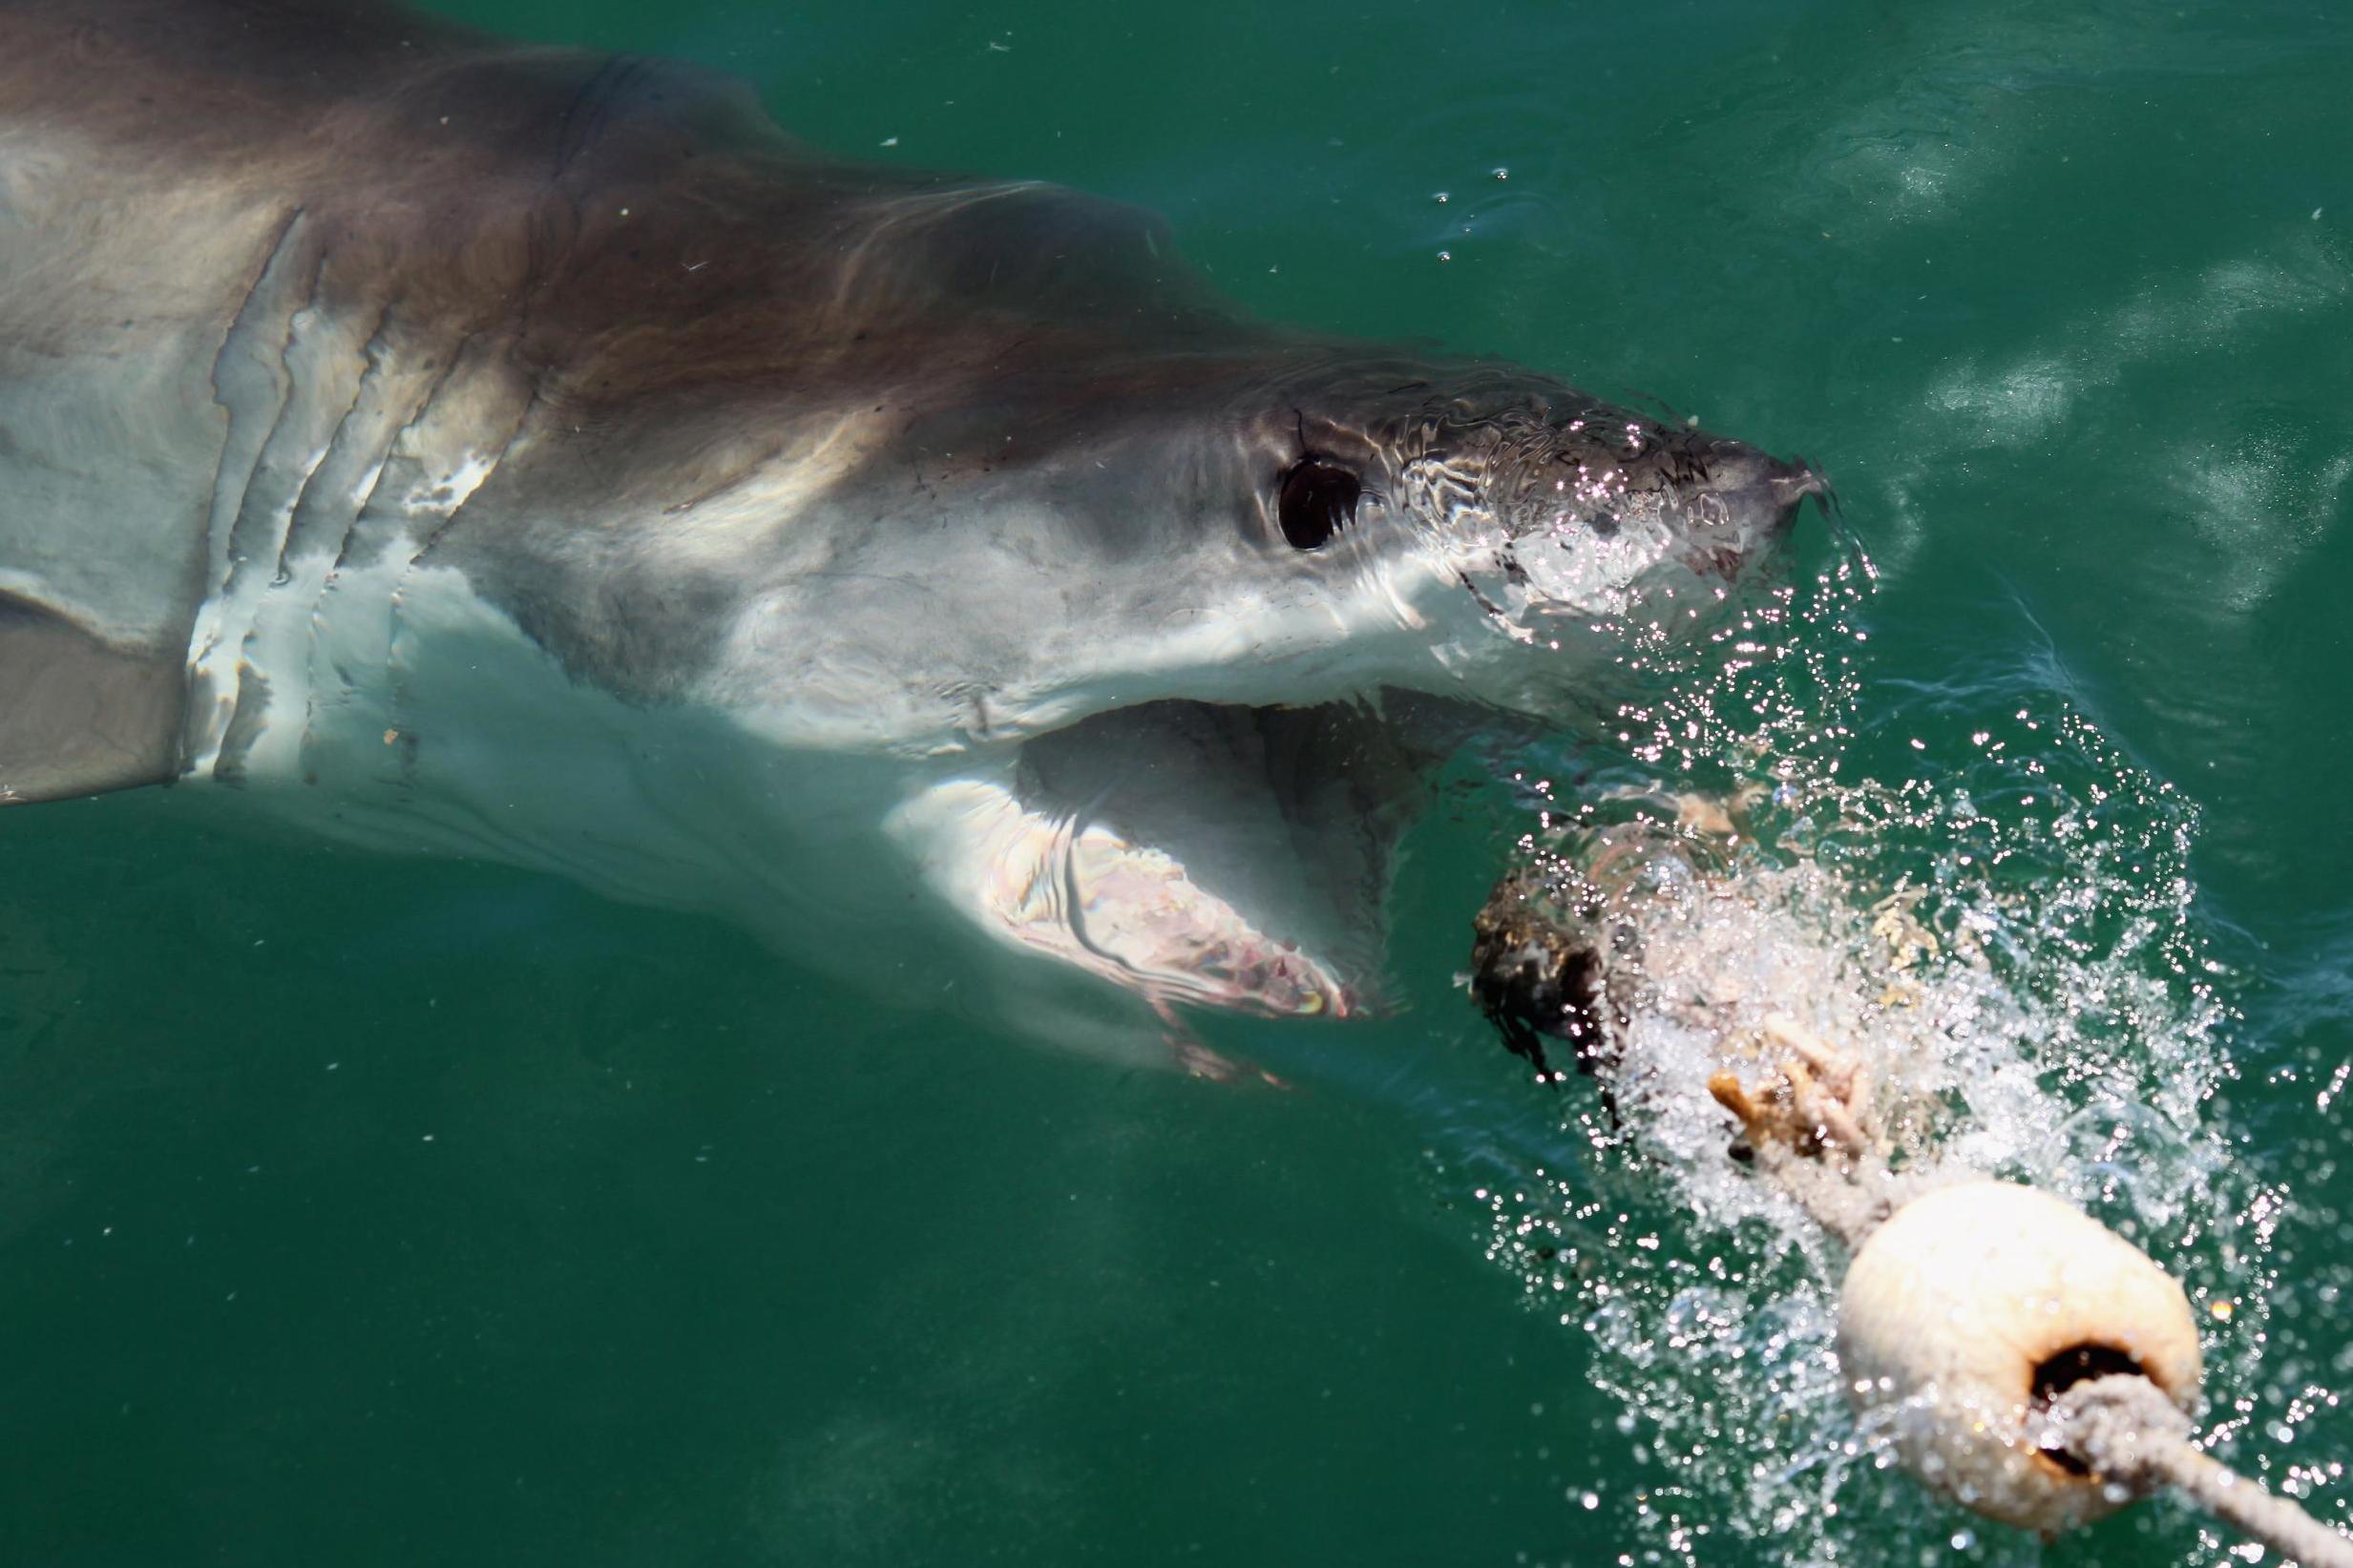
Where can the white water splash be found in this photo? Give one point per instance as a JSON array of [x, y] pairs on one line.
[[2010, 942]]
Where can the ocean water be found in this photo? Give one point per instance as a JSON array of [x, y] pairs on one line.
[[364, 1211]]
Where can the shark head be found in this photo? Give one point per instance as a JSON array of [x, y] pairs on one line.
[[544, 458], [1182, 637]]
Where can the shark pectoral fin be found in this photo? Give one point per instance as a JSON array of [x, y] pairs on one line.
[[78, 716]]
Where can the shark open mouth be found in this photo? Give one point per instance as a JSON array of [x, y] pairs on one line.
[[1216, 854]]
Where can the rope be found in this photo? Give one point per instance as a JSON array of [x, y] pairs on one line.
[[1811, 1128], [2129, 1434]]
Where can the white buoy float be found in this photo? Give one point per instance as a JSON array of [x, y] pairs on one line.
[[1973, 1307]]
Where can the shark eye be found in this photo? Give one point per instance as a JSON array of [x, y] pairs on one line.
[[1317, 500]]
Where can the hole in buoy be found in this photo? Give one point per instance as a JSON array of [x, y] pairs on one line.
[[2055, 1374]]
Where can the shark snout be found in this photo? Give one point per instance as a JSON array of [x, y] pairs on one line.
[[1762, 494], [1789, 486], [1745, 509]]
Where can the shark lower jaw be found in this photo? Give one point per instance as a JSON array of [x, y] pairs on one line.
[[1133, 913], [1196, 854]]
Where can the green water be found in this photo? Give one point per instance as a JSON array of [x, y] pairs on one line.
[[358, 1211]]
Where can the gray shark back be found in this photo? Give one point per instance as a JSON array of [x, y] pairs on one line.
[[283, 279]]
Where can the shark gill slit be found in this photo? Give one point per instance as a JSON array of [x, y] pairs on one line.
[[317, 366]]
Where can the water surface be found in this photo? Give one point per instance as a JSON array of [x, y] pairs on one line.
[[363, 1211]]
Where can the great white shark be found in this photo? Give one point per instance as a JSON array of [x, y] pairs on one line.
[[453, 445]]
